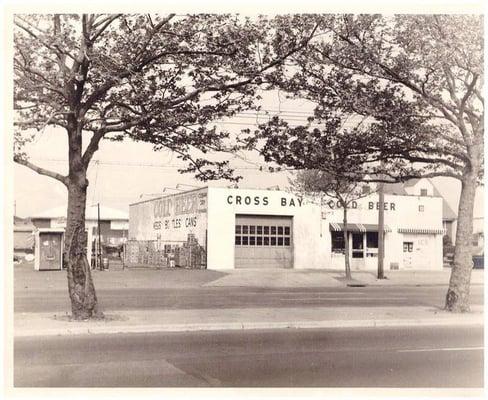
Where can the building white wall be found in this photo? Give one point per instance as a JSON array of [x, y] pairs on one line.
[[311, 238], [222, 208], [401, 212]]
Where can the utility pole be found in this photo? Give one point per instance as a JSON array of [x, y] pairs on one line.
[[381, 230], [99, 255]]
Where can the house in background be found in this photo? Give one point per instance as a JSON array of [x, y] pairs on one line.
[[114, 225], [23, 237], [425, 187]]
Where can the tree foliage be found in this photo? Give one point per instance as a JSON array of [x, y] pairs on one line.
[[159, 79], [400, 97], [405, 90]]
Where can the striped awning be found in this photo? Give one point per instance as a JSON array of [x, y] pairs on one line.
[[423, 231], [374, 228], [339, 227]]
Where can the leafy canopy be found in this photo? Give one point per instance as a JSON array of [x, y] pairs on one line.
[[160, 79]]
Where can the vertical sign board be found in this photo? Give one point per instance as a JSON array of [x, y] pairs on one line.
[[170, 219]]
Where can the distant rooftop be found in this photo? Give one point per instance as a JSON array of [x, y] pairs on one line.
[[448, 213]]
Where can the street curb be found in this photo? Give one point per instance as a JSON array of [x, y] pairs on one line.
[[192, 327]]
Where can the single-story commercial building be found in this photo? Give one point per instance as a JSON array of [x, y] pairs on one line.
[[240, 228]]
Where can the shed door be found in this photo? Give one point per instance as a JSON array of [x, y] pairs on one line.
[[50, 250], [263, 242]]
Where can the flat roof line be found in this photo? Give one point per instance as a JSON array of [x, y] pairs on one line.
[[168, 195]]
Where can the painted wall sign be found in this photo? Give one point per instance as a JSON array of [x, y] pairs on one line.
[[332, 204], [387, 206], [190, 203], [371, 205], [261, 200], [176, 223]]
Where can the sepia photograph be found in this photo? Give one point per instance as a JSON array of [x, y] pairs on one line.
[[244, 198]]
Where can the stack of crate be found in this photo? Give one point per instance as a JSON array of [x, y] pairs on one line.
[[198, 254], [131, 252], [151, 256], [190, 254], [161, 259], [182, 256]]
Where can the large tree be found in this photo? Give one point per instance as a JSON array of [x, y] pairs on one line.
[[403, 95], [155, 78]]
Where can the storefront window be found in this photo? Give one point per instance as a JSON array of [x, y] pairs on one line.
[[372, 240], [407, 247], [338, 242]]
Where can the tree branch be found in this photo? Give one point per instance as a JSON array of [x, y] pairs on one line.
[[92, 146], [106, 22], [42, 171], [55, 49]]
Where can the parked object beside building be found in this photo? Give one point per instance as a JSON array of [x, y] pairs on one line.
[[478, 243], [239, 228], [478, 236]]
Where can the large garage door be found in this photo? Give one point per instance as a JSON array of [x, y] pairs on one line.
[[263, 242]]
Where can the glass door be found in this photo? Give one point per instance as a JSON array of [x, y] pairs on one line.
[[357, 245]]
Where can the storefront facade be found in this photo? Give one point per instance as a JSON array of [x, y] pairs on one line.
[[413, 232], [239, 228]]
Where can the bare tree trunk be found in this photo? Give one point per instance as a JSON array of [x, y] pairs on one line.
[[346, 245], [80, 284], [457, 298]]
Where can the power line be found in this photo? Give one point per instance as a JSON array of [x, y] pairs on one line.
[[156, 165]]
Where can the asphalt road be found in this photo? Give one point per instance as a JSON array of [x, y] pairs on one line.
[[36, 300], [440, 357]]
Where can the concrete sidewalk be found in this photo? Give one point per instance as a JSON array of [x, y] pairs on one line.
[[275, 278], [46, 324]]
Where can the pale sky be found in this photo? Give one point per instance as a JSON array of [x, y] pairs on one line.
[[119, 180], [128, 169], [124, 174]]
